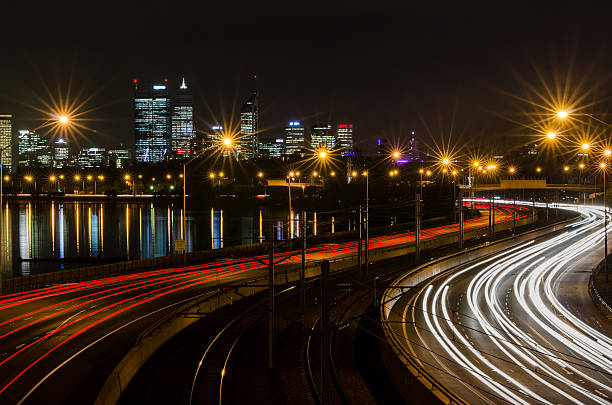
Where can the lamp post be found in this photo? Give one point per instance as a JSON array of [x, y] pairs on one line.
[[603, 167], [367, 221]]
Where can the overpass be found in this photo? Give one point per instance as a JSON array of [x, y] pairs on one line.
[[532, 185]]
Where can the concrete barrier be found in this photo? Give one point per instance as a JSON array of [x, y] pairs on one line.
[[155, 336]]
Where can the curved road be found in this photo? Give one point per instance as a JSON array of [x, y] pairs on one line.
[[518, 327]]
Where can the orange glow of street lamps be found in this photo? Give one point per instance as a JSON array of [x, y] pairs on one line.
[[562, 114], [551, 135], [607, 152], [227, 141], [602, 165], [538, 169], [63, 119], [585, 146], [512, 170]]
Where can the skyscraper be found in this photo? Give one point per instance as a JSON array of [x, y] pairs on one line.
[[6, 134], [152, 121], [61, 153], [295, 141], [412, 151], [249, 123], [344, 139], [182, 122], [322, 137], [33, 150]]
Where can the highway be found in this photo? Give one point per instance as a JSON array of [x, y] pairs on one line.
[[516, 327], [59, 344]]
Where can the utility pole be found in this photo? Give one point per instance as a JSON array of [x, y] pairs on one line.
[[492, 217], [359, 243], [417, 231], [271, 299], [460, 219], [532, 209], [514, 216], [325, 333], [303, 272], [367, 225]]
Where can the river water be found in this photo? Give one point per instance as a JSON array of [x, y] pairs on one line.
[[46, 236]]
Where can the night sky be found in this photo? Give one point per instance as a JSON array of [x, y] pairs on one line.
[[387, 70]]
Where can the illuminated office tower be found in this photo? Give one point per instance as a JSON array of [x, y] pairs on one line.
[[33, 149], [89, 158], [274, 148], [344, 139], [182, 122], [118, 157], [295, 141], [61, 153], [322, 137], [152, 121], [6, 134], [249, 123]]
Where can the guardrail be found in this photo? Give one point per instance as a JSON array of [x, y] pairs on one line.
[[598, 300]]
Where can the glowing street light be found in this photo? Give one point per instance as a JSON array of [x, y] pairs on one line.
[[607, 152], [562, 114], [52, 179], [551, 135], [602, 165], [63, 119], [512, 170], [445, 161], [333, 174], [127, 177], [322, 154], [566, 168], [168, 176], [315, 174], [211, 175], [77, 178], [585, 146], [227, 141], [89, 177], [396, 154], [538, 169], [260, 174]]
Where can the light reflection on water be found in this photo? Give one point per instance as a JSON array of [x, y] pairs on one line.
[[93, 233], [113, 231]]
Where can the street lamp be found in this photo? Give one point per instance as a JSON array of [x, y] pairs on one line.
[[551, 135], [562, 114], [603, 167]]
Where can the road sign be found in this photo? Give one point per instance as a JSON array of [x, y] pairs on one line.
[[179, 245]]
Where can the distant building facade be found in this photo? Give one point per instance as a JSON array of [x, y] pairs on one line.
[[183, 131], [33, 149], [61, 153], [249, 124], [152, 121], [90, 158], [6, 136], [118, 158], [322, 137], [344, 139], [295, 138], [274, 148]]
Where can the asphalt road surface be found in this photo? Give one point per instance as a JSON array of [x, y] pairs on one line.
[[518, 327]]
